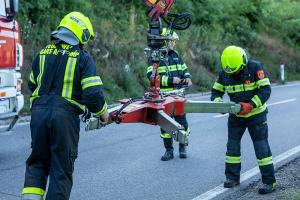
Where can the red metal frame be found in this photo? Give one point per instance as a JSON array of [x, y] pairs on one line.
[[144, 111], [159, 7], [154, 88]]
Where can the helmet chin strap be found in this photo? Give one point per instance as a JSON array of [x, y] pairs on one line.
[[238, 72]]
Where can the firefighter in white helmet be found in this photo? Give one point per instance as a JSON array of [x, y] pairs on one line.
[[173, 74]]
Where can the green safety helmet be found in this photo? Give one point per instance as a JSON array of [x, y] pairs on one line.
[[233, 59], [166, 32], [79, 25]]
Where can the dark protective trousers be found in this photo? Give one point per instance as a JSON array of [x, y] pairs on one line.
[[168, 141], [258, 129], [55, 135]]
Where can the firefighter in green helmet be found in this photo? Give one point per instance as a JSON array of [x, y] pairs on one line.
[[246, 82], [64, 83]]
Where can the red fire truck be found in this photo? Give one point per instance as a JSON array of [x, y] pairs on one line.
[[11, 60]]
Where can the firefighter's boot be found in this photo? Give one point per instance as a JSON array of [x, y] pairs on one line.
[[267, 188], [31, 197], [168, 143], [230, 183], [167, 156], [182, 151]]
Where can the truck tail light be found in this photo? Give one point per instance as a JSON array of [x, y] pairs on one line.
[[19, 56], [19, 85]]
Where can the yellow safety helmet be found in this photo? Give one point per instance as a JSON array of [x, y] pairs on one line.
[[233, 59], [166, 32], [79, 25]]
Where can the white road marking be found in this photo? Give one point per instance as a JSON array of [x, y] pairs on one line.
[[247, 175], [289, 85], [207, 95], [202, 96], [221, 115], [282, 102], [271, 104], [18, 124]]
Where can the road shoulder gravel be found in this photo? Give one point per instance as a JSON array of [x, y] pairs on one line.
[[288, 185]]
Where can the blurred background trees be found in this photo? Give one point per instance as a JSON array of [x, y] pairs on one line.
[[269, 29]]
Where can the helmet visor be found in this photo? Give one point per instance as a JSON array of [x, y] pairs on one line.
[[229, 70]]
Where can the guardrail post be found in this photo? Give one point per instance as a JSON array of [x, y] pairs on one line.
[[282, 76]]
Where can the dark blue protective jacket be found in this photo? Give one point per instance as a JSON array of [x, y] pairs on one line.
[[250, 85], [175, 67], [68, 73]]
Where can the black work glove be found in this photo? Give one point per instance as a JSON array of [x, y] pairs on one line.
[[86, 115]]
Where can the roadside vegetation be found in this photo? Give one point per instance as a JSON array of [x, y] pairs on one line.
[[269, 29]]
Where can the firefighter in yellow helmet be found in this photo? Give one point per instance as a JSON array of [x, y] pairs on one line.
[[64, 83], [173, 73], [246, 82]]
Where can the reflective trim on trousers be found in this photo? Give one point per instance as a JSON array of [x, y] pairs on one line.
[[233, 159]]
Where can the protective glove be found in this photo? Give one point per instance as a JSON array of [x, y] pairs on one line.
[[104, 117], [97, 122], [176, 80], [218, 99], [86, 115], [245, 108], [188, 81]]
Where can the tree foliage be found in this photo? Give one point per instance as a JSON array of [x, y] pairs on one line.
[[269, 29]]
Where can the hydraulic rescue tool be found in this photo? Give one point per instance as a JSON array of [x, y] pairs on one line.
[[159, 111], [157, 107]]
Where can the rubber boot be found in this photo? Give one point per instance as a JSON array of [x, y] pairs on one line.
[[182, 151], [267, 188], [230, 183], [167, 156], [31, 197], [168, 143]]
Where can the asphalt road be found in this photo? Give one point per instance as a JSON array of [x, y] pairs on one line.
[[123, 161]]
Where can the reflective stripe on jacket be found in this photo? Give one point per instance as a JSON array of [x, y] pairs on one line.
[[69, 72], [251, 85], [174, 68]]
